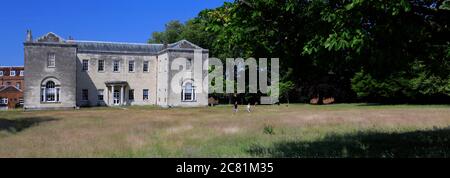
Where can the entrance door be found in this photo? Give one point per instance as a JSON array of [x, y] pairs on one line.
[[116, 97]]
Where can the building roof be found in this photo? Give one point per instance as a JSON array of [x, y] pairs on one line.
[[120, 47], [115, 47], [99, 46], [9, 88]]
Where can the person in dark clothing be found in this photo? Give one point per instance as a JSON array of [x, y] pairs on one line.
[[235, 109]]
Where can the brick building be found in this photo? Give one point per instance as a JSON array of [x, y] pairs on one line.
[[11, 86]]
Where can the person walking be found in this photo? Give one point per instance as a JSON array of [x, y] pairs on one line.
[[249, 107], [235, 108]]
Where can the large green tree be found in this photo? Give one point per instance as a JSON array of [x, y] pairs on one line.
[[374, 50]]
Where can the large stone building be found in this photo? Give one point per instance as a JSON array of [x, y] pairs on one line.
[[70, 73]]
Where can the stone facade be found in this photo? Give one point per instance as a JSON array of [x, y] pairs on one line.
[[70, 73]]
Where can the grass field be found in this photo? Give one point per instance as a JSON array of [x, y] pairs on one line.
[[343, 130]]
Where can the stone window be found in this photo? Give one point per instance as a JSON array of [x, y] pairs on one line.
[[131, 94], [12, 73], [145, 68], [116, 65], [130, 66], [188, 64], [100, 95], [84, 95], [21, 73], [18, 85], [145, 94], [51, 60], [50, 92], [85, 66], [1, 73], [101, 65], [188, 92]]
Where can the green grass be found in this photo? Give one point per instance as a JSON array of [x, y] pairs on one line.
[[297, 130]]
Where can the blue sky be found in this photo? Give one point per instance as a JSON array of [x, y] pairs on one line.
[[99, 20]]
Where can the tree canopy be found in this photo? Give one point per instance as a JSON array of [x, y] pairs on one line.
[[352, 50]]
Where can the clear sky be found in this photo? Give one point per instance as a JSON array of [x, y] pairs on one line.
[[98, 20]]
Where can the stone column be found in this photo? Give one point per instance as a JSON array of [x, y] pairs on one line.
[[121, 95], [107, 95], [112, 92]]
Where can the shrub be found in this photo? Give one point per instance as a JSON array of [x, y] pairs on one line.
[[268, 129]]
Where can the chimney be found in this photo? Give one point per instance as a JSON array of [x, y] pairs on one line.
[[29, 36]]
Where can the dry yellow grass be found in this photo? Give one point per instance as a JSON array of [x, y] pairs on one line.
[[204, 132]]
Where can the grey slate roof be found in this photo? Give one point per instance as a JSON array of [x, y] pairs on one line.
[[115, 47], [97, 46]]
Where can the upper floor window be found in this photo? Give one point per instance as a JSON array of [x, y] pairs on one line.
[[1, 73], [116, 65], [85, 66], [21, 73], [101, 65], [51, 60], [130, 66], [12, 73], [188, 64], [18, 85], [145, 68]]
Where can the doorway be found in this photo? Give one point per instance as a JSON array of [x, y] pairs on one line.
[[116, 98]]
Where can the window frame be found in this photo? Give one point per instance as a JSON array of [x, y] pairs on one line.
[[193, 97], [131, 94], [85, 65], [118, 66], [101, 93], [1, 72], [146, 66], [45, 93], [145, 94], [189, 64], [51, 60], [4, 100], [131, 66], [21, 73], [12, 73], [83, 95], [102, 62]]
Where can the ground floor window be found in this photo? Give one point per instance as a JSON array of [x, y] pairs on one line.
[[50, 92], [100, 95], [145, 94], [188, 92], [3, 100], [131, 94], [84, 95]]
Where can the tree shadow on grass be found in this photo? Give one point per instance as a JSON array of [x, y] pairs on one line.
[[430, 143], [18, 125]]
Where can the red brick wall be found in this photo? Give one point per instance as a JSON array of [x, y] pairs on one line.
[[13, 95], [13, 80]]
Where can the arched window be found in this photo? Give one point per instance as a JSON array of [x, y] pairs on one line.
[[50, 92], [188, 92]]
